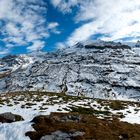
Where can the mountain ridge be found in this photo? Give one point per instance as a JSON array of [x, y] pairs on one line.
[[107, 71]]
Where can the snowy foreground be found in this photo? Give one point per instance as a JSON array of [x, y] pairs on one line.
[[33, 104]]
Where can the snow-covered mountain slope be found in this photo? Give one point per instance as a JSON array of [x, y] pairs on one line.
[[105, 70]]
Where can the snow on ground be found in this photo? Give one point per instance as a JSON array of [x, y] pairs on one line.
[[134, 116], [31, 105], [15, 131]]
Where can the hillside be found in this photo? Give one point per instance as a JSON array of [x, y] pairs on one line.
[[105, 70], [41, 115]]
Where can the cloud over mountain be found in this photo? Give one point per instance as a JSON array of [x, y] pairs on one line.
[[112, 20]]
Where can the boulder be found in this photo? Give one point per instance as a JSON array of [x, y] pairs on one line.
[[9, 117]]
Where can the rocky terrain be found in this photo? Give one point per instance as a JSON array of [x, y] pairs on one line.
[[70, 126], [105, 70], [49, 116]]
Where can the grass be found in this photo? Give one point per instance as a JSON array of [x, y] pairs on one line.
[[120, 115], [99, 107], [93, 127], [116, 105], [90, 111]]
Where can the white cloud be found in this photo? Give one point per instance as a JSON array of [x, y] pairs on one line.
[[36, 46], [118, 19], [113, 19], [22, 22], [52, 27], [82, 33], [4, 52], [64, 6], [60, 45]]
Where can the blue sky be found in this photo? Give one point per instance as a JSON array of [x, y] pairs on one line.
[[31, 25]]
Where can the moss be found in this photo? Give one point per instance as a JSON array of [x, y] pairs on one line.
[[10, 105], [38, 99], [30, 104], [106, 108], [116, 105], [7, 101], [82, 110], [66, 98], [2, 103], [99, 101], [18, 118], [91, 111], [120, 115]]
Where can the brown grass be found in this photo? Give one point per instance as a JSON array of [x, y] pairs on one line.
[[93, 127]]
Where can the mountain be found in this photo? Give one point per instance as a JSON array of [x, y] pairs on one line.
[[106, 70], [137, 44]]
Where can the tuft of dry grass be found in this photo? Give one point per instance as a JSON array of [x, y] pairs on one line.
[[117, 105]]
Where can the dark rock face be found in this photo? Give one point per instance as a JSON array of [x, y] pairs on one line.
[[107, 47], [8, 117]]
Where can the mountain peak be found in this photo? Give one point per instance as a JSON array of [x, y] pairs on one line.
[[137, 44]]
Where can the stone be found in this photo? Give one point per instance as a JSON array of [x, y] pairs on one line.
[[9, 117]]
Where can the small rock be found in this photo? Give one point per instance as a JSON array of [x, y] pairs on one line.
[[8, 117], [57, 135], [48, 137], [78, 133], [60, 134]]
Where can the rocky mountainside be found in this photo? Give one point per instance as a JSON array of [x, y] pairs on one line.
[[106, 70]]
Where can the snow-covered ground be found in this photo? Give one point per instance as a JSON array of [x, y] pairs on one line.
[[30, 105]]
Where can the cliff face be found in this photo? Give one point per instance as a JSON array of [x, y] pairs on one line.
[[95, 70]]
